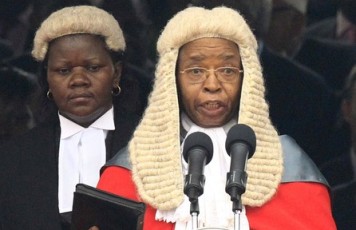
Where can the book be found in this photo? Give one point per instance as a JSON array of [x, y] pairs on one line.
[[107, 211]]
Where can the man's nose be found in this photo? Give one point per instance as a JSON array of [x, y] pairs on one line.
[[212, 82]]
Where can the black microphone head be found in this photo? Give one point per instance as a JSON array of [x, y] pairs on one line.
[[198, 139], [241, 133]]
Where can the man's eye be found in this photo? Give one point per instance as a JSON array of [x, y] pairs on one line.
[[228, 71], [196, 71]]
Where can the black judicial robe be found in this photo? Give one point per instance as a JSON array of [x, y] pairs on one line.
[[29, 174]]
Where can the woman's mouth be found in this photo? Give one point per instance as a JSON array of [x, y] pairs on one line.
[[81, 98]]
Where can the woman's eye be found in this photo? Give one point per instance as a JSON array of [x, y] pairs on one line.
[[63, 71], [93, 68]]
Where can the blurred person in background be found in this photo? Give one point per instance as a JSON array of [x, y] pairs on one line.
[[342, 169], [341, 27], [340, 172], [17, 92], [286, 26]]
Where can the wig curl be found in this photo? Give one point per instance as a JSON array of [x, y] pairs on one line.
[[78, 20]]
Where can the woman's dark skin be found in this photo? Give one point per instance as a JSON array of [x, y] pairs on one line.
[[81, 76]]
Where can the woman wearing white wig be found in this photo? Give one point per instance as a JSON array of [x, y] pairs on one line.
[[208, 79], [80, 49]]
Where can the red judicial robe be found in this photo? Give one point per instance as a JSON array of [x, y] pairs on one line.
[[302, 200], [296, 205]]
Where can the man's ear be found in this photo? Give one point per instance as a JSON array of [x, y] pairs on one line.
[[346, 109]]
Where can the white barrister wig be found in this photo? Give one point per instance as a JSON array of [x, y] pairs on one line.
[[78, 20], [155, 146]]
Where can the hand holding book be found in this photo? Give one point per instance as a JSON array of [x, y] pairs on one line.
[[105, 211]]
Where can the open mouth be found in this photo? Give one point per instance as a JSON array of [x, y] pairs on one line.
[[213, 108], [212, 105]]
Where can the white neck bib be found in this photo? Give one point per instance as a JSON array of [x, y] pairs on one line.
[[214, 204]]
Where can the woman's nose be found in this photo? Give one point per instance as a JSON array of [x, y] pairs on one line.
[[79, 77]]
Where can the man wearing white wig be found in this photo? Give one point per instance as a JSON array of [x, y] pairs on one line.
[[208, 79]]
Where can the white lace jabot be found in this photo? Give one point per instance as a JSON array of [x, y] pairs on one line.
[[214, 204]]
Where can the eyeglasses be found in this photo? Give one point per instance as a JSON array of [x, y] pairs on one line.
[[223, 74]]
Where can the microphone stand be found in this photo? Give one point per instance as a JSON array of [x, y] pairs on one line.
[[194, 212], [193, 188], [237, 208], [235, 187]]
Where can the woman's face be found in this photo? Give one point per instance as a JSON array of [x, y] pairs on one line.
[[81, 76], [214, 101]]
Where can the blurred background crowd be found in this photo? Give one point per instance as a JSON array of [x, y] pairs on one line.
[[307, 49]]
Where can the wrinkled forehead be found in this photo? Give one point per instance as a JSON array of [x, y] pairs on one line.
[[210, 42], [203, 48]]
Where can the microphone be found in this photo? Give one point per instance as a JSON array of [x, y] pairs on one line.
[[240, 145], [197, 152]]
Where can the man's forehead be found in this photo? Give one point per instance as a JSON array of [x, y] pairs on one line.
[[203, 45]]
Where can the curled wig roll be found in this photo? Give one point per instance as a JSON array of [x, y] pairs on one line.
[[78, 20]]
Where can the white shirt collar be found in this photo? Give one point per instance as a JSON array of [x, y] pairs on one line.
[[187, 123], [69, 128]]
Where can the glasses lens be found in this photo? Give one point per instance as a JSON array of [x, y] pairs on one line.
[[223, 74], [227, 74], [196, 74]]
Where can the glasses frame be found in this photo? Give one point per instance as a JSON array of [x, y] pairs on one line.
[[208, 71]]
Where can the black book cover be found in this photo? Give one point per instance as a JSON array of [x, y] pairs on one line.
[[94, 207]]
